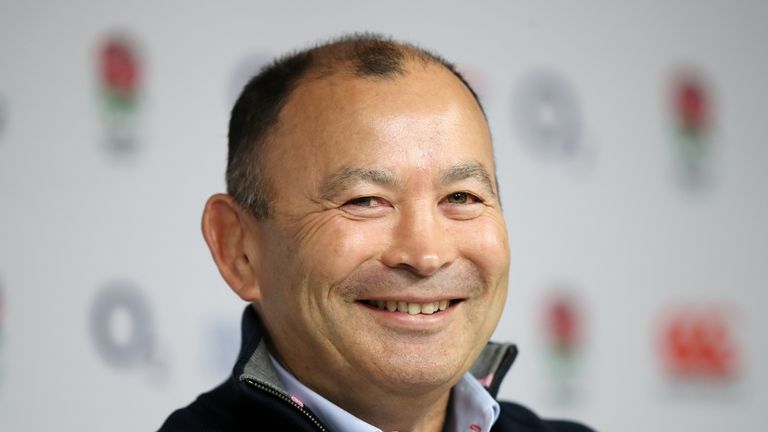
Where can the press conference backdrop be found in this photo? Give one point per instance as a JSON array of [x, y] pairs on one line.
[[631, 149]]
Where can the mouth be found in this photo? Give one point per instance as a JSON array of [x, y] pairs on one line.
[[410, 308]]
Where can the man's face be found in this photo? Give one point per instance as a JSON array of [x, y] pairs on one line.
[[384, 199]]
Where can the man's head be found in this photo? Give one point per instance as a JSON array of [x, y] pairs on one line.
[[378, 193]]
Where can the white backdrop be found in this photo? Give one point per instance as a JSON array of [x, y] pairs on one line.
[[112, 314]]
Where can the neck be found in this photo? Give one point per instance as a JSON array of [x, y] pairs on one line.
[[412, 413]]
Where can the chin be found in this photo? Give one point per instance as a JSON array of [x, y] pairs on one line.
[[418, 372]]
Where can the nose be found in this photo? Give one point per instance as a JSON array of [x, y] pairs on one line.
[[420, 242]]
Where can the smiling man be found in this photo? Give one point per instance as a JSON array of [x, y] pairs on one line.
[[363, 225]]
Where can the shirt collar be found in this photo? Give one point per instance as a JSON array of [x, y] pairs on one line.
[[472, 408]]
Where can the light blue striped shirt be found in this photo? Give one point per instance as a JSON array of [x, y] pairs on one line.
[[472, 407]]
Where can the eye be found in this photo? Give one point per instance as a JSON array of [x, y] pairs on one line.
[[367, 201], [461, 198], [462, 205], [367, 207]]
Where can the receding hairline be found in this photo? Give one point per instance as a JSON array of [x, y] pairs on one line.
[[337, 61], [380, 58], [368, 56]]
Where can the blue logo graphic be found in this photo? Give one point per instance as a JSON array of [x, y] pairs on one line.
[[548, 116], [121, 326]]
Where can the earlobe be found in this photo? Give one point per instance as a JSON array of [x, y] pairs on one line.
[[230, 241]]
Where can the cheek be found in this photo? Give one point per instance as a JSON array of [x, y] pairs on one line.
[[342, 246], [487, 246]]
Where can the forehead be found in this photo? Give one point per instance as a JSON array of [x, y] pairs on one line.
[[426, 116]]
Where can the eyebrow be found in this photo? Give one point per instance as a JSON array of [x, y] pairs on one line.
[[346, 177], [469, 170]]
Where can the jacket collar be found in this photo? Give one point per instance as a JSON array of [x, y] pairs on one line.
[[253, 360]]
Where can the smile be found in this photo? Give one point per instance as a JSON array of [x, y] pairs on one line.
[[410, 308]]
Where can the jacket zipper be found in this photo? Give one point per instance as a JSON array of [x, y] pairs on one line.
[[283, 397]]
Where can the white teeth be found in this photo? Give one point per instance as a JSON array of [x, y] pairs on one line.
[[410, 308], [414, 308]]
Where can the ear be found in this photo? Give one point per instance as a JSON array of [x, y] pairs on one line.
[[233, 245]]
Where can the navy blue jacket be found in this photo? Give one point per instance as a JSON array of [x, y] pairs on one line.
[[253, 398]]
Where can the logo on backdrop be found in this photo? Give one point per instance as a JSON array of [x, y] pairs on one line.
[[699, 352], [692, 115], [563, 328], [245, 69], [120, 74], [122, 328], [698, 343], [548, 115]]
